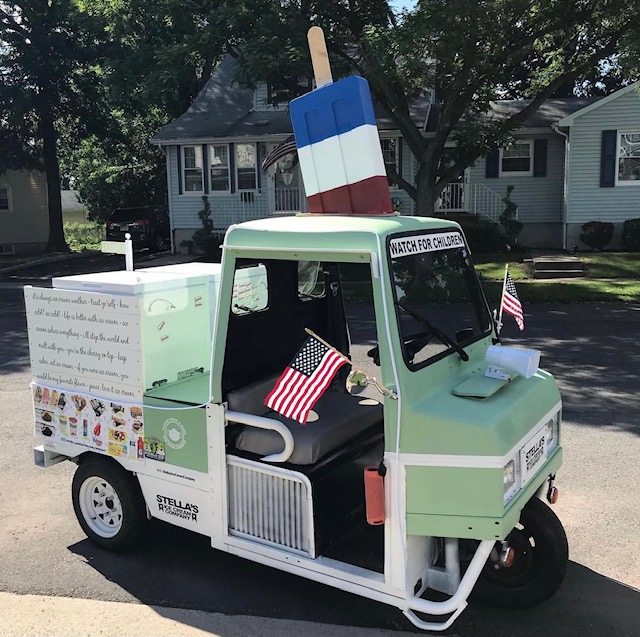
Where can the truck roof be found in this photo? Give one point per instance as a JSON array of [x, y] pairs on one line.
[[327, 232]]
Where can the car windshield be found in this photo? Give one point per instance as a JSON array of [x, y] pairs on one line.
[[439, 303], [130, 214]]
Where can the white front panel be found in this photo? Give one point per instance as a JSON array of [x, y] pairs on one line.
[[182, 506]]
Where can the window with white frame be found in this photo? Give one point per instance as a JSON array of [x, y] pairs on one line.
[[5, 199], [629, 157], [246, 166], [391, 157], [517, 159], [192, 172], [219, 163]]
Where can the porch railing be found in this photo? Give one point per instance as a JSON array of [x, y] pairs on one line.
[[472, 198]]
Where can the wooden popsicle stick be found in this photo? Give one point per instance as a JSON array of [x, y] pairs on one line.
[[319, 56]]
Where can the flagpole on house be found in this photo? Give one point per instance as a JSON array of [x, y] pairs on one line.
[[504, 287]]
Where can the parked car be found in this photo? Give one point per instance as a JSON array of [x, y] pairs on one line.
[[149, 227]]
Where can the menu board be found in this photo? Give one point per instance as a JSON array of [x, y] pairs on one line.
[[99, 425], [85, 342]]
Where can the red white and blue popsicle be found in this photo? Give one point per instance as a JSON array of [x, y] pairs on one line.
[[338, 144]]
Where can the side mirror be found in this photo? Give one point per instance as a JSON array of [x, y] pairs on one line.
[[357, 381]]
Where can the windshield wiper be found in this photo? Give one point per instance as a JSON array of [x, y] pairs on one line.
[[430, 326]]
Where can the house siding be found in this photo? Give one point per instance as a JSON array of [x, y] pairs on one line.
[[27, 224], [587, 201], [539, 199]]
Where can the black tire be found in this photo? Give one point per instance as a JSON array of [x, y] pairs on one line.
[[539, 566], [108, 503]]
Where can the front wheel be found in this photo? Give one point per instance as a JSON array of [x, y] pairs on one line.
[[539, 565], [108, 504]]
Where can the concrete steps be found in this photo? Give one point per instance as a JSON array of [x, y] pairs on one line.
[[560, 266]]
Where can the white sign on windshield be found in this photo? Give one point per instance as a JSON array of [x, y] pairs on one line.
[[419, 244]]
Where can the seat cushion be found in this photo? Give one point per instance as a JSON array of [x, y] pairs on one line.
[[340, 418]]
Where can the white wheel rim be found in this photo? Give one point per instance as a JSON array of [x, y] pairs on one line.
[[100, 507]]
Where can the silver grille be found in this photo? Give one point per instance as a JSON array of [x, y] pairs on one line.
[[270, 505]]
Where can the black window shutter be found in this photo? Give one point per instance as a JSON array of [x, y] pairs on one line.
[[232, 169], [399, 143], [205, 169], [540, 158], [608, 159], [492, 161], [179, 151]]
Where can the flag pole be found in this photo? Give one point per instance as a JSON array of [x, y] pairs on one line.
[[504, 287], [385, 391], [312, 333]]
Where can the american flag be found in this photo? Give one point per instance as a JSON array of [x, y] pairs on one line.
[[511, 303], [287, 147], [305, 380]]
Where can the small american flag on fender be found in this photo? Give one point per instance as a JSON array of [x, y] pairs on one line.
[[511, 303], [305, 380]]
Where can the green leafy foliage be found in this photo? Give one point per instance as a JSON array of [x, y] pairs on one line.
[[84, 236], [631, 234], [596, 234], [206, 239], [485, 237], [508, 220]]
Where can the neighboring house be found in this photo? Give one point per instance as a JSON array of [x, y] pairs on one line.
[[24, 212], [73, 211], [216, 148]]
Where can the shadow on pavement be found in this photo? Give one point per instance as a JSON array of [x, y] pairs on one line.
[[177, 569]]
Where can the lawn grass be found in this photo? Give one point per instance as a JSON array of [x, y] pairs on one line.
[[611, 265], [621, 268]]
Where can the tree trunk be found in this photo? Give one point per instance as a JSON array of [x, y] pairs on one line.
[[57, 241], [426, 191]]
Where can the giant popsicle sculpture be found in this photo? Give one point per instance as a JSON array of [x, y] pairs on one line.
[[338, 145]]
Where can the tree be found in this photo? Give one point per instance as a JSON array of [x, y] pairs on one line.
[[470, 52], [47, 57]]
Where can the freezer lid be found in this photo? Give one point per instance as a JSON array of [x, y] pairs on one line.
[[192, 268], [133, 283]]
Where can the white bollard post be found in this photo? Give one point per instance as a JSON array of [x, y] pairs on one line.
[[128, 252]]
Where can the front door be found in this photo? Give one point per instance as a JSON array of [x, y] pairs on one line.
[[285, 191]]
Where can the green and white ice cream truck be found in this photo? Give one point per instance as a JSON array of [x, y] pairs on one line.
[[154, 383]]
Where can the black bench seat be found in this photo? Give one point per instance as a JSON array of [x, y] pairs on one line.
[[341, 417]]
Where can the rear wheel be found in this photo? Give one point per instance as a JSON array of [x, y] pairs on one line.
[[540, 561], [108, 504]]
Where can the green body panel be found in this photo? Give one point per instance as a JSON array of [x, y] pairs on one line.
[[443, 423], [450, 502], [176, 436], [483, 526], [455, 491]]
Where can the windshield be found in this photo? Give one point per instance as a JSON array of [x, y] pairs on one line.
[[439, 304]]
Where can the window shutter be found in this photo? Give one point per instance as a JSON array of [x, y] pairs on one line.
[[205, 169], [399, 142], [491, 166], [179, 151], [258, 166], [608, 159], [232, 168], [540, 158]]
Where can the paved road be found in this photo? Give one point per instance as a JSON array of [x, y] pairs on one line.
[[593, 351]]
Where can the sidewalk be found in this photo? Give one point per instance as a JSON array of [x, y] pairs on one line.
[[40, 616]]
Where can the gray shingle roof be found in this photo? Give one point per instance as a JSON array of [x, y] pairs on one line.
[[225, 109]]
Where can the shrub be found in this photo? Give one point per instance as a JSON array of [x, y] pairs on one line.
[[631, 234], [84, 236], [485, 237], [596, 234], [206, 239], [508, 220]]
